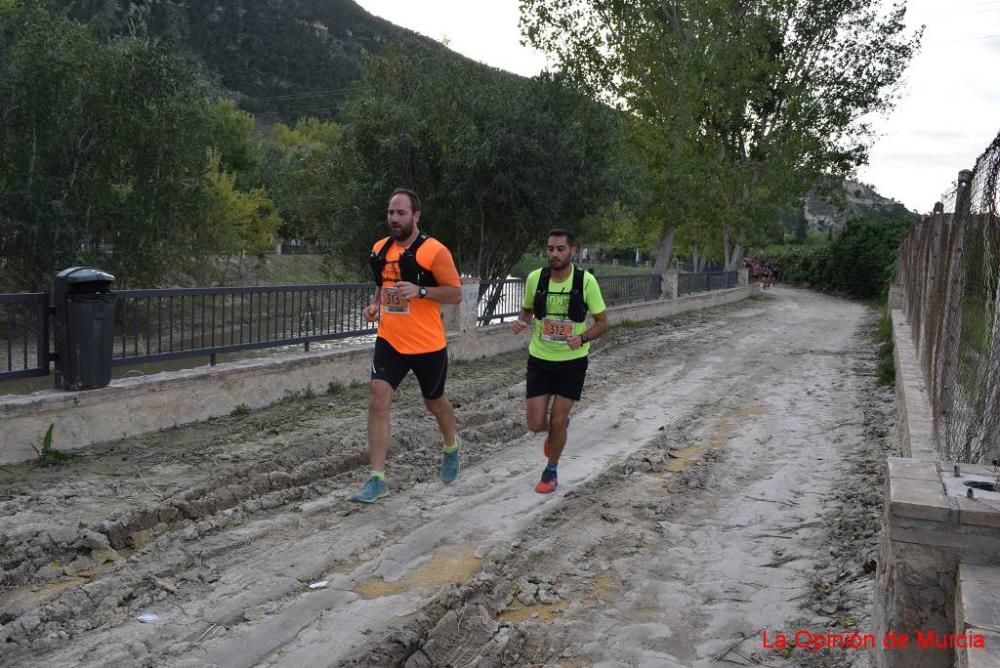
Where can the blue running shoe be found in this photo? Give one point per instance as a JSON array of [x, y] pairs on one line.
[[375, 488], [450, 465]]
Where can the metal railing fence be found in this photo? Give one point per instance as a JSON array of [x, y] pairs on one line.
[[169, 324], [688, 283], [24, 325]]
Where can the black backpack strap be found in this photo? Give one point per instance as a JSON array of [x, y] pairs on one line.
[[542, 292], [577, 304], [377, 261], [413, 271]]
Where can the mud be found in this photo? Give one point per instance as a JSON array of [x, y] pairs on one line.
[[723, 477]]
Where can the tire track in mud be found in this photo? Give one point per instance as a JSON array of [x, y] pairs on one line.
[[199, 571], [588, 583]]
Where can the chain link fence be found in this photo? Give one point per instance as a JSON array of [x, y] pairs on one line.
[[948, 266]]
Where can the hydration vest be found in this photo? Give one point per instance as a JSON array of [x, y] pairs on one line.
[[409, 269], [577, 306]]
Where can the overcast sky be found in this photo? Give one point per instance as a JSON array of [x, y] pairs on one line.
[[949, 113]]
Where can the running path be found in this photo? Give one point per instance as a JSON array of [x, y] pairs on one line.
[[689, 515]]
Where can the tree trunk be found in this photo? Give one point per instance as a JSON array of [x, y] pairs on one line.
[[664, 254], [696, 259], [664, 251], [733, 252]]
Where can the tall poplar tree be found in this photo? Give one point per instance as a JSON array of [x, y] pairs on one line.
[[740, 105]]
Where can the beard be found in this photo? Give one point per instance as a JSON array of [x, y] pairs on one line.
[[402, 232], [556, 263]]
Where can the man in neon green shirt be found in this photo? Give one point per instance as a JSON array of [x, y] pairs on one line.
[[559, 297]]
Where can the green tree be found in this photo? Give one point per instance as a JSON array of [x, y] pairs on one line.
[[102, 151], [304, 172], [232, 136], [741, 104], [498, 160], [237, 222]]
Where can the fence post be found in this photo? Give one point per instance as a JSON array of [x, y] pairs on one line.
[[669, 289], [744, 277], [461, 318]]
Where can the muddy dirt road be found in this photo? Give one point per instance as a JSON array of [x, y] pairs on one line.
[[723, 478]]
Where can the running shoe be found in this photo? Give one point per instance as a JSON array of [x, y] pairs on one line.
[[375, 488], [548, 483], [450, 465]]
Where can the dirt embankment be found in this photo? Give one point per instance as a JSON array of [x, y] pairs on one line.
[[723, 478]]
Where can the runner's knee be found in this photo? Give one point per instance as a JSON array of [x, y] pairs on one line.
[[437, 404], [380, 397], [537, 423], [558, 422]]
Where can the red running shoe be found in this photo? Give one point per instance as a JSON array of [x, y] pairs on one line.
[[548, 483]]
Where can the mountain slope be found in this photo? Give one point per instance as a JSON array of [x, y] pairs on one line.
[[852, 200], [280, 60]]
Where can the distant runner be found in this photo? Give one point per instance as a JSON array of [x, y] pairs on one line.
[[558, 297], [415, 274]]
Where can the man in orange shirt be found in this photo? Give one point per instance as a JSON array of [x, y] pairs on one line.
[[415, 274]]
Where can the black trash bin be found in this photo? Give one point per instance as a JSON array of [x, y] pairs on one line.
[[84, 327]]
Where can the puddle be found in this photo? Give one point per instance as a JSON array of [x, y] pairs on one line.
[[689, 452], [753, 410], [684, 458], [38, 594], [721, 434], [457, 564], [604, 586]]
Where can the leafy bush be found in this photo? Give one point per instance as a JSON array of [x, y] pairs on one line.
[[860, 262]]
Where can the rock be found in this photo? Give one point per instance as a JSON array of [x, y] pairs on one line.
[[49, 572], [93, 540], [527, 596], [29, 623], [80, 565], [547, 596]]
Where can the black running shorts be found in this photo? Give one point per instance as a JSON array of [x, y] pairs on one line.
[[562, 378], [431, 369]]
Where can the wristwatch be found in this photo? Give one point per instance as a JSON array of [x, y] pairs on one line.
[[584, 339], [422, 292]]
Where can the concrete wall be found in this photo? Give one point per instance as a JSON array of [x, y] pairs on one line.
[[916, 431], [134, 406], [930, 527]]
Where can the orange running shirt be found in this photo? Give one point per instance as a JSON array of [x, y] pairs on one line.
[[415, 326]]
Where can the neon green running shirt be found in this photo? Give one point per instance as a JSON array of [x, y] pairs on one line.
[[552, 347]]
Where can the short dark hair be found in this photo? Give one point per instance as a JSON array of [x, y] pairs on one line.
[[562, 232], [414, 200]]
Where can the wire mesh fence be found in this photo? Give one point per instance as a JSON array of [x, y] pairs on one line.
[[948, 266]]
